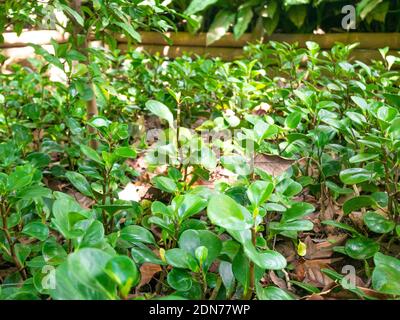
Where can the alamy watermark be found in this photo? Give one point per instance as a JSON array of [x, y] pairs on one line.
[[349, 21]]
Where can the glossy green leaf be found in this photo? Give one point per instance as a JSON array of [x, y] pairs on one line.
[[191, 240], [243, 20], [36, 230], [165, 184], [355, 175], [357, 203], [297, 211], [124, 272], [82, 277], [80, 183], [273, 293], [377, 223], [180, 258], [91, 154], [259, 192], [220, 25], [179, 279], [125, 152], [134, 234], [386, 275], [198, 5], [361, 248], [160, 110], [227, 213]]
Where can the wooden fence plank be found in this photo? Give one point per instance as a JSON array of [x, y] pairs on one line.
[[326, 41], [227, 48]]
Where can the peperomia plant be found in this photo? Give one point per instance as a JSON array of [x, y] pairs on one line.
[[261, 178]]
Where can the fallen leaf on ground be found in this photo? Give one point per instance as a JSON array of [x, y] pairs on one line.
[[147, 271], [309, 271], [274, 165], [134, 192], [277, 281], [287, 249], [318, 249]]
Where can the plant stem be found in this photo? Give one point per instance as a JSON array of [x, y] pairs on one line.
[[216, 289], [250, 291], [4, 214], [91, 105]]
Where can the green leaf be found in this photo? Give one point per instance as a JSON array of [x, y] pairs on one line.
[[93, 235], [180, 280], [99, 122], [356, 117], [270, 24], [34, 192], [237, 164], [355, 175], [360, 102], [227, 213], [37, 230], [129, 30], [367, 6], [220, 25], [198, 5], [363, 157], [306, 286], [201, 254], [22, 252], [377, 223], [134, 234], [21, 177], [393, 99], [357, 203], [191, 240], [296, 211], [341, 226], [66, 212], [91, 154], [386, 275], [273, 293], [297, 14], [179, 258], [259, 192], [160, 110], [144, 254], [299, 225], [125, 152], [335, 188], [80, 183], [227, 276], [124, 272], [266, 259], [53, 252], [191, 205], [78, 18], [82, 277], [165, 184], [293, 120], [243, 20], [240, 269], [289, 187], [361, 248]]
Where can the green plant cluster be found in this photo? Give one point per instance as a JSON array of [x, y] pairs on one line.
[[302, 16], [336, 121]]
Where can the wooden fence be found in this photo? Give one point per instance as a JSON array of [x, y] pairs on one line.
[[227, 48]]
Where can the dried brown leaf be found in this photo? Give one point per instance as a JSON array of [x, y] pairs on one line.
[[274, 165], [147, 271]]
